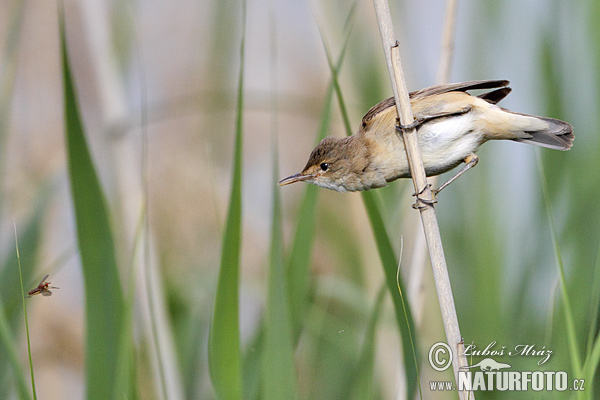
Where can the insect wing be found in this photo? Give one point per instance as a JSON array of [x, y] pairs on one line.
[[46, 292], [43, 280]]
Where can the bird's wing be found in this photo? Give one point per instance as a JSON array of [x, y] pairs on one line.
[[383, 116], [384, 107], [444, 104], [460, 87], [424, 105], [495, 96]]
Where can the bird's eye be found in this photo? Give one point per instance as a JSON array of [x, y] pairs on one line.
[[324, 166]]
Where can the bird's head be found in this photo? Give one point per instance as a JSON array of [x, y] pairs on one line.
[[340, 164]]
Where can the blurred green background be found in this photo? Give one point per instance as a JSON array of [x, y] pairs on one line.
[[157, 85]]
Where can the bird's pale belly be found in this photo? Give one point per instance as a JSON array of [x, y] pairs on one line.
[[442, 157], [444, 145]]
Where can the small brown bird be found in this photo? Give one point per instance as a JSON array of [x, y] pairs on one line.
[[451, 125], [43, 288]]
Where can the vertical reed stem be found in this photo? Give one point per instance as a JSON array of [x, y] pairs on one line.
[[428, 217]]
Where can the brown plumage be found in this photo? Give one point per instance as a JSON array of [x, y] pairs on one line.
[[452, 125]]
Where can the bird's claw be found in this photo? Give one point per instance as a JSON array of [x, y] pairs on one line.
[[426, 118], [414, 124], [422, 203]]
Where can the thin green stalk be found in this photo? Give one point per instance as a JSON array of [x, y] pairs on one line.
[[334, 74], [11, 369], [569, 323], [591, 364], [594, 302], [13, 358], [363, 386], [551, 301], [144, 235], [278, 370], [25, 315], [408, 323]]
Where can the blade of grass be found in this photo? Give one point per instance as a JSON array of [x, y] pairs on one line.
[[25, 314], [388, 258], [590, 366], [396, 288], [363, 387], [279, 381], [594, 303], [104, 297], [298, 263], [252, 366], [224, 338], [278, 378], [592, 360], [125, 386], [410, 333], [568, 314], [573, 305]]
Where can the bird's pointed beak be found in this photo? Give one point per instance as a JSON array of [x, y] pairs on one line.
[[294, 178]]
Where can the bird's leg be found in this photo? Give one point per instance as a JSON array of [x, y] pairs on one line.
[[470, 161], [426, 118], [427, 202]]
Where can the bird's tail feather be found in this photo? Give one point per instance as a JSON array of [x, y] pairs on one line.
[[557, 135]]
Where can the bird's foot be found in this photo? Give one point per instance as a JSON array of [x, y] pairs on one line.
[[415, 124], [421, 202]]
